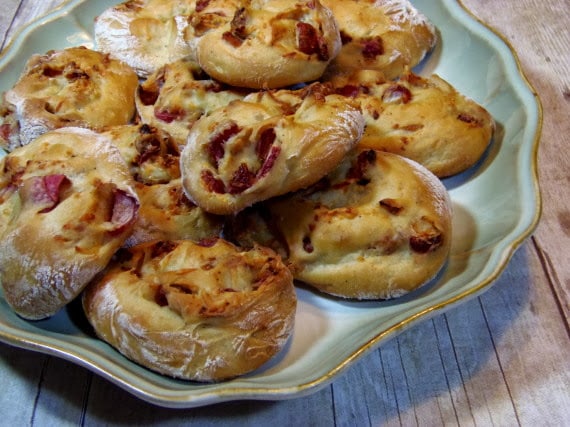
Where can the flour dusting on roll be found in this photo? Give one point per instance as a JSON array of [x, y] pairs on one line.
[[204, 311]]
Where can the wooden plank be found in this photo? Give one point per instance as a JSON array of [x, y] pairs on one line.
[[20, 382], [6, 19], [366, 393], [531, 342], [109, 404], [62, 397]]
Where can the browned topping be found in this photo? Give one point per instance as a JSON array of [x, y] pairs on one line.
[[468, 118], [427, 237], [168, 116], [83, 219], [130, 261], [412, 127], [161, 248], [182, 288], [415, 80], [208, 266], [319, 91], [181, 200], [51, 109], [358, 170], [397, 93], [308, 245], [237, 33], [147, 96], [207, 242], [201, 5], [5, 131], [216, 149], [150, 145], [232, 39], [212, 86], [238, 23], [204, 22], [307, 38], [147, 148], [391, 205], [213, 184], [242, 179], [149, 91], [51, 72], [76, 74], [310, 42], [351, 91], [345, 38], [266, 140], [424, 243], [160, 297], [269, 161], [372, 48]]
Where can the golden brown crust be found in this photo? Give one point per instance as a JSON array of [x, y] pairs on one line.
[[268, 144], [178, 94], [67, 203], [209, 15], [74, 87], [152, 155], [146, 34], [422, 118], [271, 44], [388, 35], [204, 312], [9, 127], [379, 226], [166, 213]]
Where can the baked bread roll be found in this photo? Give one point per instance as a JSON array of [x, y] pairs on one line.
[[74, 87], [387, 35], [152, 155], [166, 213], [377, 227], [197, 311], [266, 145], [178, 94], [271, 44], [209, 15], [66, 204], [9, 127], [146, 34], [422, 118]]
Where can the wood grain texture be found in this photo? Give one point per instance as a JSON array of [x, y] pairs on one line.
[[500, 359]]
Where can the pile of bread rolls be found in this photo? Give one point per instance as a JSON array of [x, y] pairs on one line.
[[205, 157]]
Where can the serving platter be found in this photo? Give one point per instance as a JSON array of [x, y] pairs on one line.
[[496, 206]]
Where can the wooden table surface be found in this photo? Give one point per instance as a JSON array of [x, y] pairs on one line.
[[501, 359]]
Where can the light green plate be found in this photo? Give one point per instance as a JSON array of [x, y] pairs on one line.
[[496, 206]]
